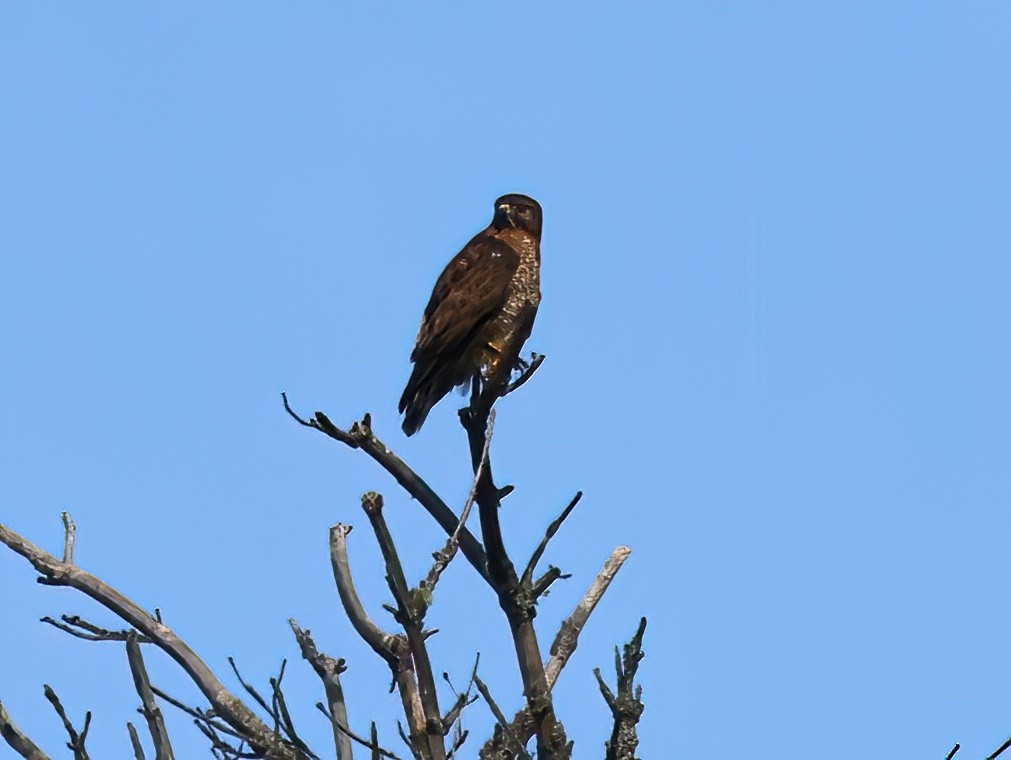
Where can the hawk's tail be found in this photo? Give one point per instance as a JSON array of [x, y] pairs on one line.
[[418, 399], [415, 412]]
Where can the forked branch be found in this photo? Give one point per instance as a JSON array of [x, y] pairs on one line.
[[232, 710], [626, 701]]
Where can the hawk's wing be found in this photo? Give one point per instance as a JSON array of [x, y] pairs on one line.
[[469, 292]]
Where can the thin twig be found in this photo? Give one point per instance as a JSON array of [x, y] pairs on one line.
[[283, 716], [346, 731], [82, 629], [448, 552], [250, 689], [500, 717], [463, 698], [17, 740], [528, 573], [198, 715]]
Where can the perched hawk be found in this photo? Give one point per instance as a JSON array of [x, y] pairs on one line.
[[481, 310]]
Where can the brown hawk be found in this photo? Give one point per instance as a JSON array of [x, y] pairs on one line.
[[481, 310]]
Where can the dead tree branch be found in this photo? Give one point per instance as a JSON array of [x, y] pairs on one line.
[[149, 707], [448, 552], [347, 733], [199, 716], [361, 437], [138, 748], [536, 360], [17, 740], [384, 644], [999, 750], [329, 670], [410, 615], [514, 597], [511, 740], [395, 650], [82, 629], [76, 743], [567, 637], [626, 705], [562, 648], [231, 709], [528, 574]]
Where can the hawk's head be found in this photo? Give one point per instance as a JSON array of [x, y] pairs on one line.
[[519, 211]]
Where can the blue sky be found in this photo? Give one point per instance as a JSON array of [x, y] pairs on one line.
[[775, 314]]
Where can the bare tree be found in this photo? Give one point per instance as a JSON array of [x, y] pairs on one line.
[[260, 725]]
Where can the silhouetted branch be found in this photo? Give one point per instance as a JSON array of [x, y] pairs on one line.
[[528, 574], [149, 707], [999, 750], [328, 669], [281, 714], [536, 360], [511, 740], [198, 715], [626, 704], [361, 437], [17, 740], [345, 731], [463, 698], [76, 743], [231, 709], [540, 587], [445, 556], [82, 629]]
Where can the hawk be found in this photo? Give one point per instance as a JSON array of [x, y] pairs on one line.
[[481, 310]]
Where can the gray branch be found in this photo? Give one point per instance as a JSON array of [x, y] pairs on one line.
[[328, 669], [77, 739], [384, 644], [17, 740], [410, 615], [138, 748], [149, 707], [231, 709]]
